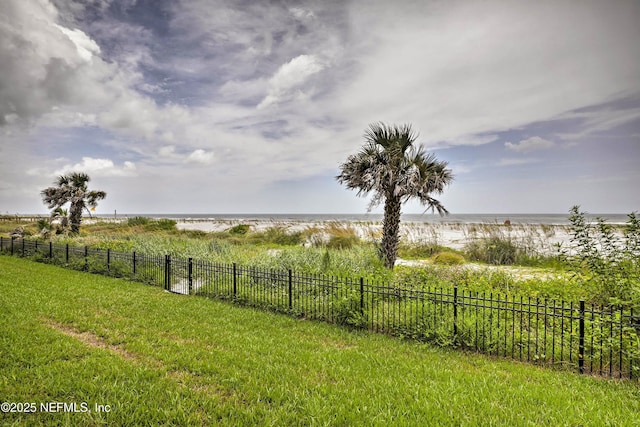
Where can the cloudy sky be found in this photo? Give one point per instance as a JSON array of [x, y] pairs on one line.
[[241, 106]]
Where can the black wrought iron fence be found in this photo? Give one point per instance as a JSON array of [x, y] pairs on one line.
[[573, 335]]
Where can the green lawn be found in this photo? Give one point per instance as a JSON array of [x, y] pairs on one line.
[[158, 358]]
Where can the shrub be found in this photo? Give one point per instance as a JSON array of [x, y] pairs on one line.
[[240, 229], [419, 251], [608, 260], [347, 310], [342, 242], [280, 236], [341, 237], [494, 250], [161, 225], [448, 258], [194, 234], [138, 220], [219, 247], [45, 228]]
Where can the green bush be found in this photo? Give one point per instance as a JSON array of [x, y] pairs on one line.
[[280, 236], [341, 236], [149, 224], [219, 247], [495, 250], [138, 220], [194, 234], [421, 251], [448, 258], [342, 242], [347, 310], [240, 229], [162, 225], [607, 260]]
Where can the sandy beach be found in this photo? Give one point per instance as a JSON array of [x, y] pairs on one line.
[[538, 237]]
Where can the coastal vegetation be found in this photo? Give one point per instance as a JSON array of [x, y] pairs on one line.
[[143, 356], [495, 261]]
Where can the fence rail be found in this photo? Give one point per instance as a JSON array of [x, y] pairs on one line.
[[575, 336]]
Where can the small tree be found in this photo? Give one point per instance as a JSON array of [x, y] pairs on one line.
[[72, 188], [395, 170], [605, 258]]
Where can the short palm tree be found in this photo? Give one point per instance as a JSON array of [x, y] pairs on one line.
[[72, 188], [394, 169], [62, 217]]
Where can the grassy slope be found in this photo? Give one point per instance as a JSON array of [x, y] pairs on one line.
[[158, 358]]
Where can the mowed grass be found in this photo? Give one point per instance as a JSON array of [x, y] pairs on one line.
[[158, 358]]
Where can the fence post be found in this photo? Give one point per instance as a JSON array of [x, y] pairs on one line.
[[108, 260], [581, 339], [67, 254], [12, 246], [190, 275], [167, 272], [134, 263], [455, 313], [23, 247], [86, 257], [235, 290], [290, 290], [51, 251], [361, 295], [631, 320]]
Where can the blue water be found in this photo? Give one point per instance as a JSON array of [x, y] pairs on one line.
[[425, 218]]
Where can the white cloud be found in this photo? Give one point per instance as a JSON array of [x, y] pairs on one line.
[[290, 76], [85, 46], [530, 144], [98, 167], [599, 121], [167, 151], [201, 156]]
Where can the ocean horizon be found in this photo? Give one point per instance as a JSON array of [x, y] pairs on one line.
[[551, 219]]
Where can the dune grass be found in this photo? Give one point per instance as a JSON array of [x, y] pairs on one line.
[[157, 358]]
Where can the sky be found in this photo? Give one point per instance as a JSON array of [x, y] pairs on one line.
[[237, 106]]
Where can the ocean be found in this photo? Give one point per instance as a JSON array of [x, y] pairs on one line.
[[556, 219]]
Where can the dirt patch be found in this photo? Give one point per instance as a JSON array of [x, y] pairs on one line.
[[91, 340], [183, 378]]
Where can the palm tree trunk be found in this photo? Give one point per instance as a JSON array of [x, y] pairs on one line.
[[75, 216], [390, 231]]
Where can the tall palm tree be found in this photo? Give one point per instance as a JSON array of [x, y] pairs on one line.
[[394, 169], [72, 188]]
